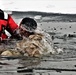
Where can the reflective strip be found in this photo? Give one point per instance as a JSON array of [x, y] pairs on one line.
[[5, 15], [7, 33]]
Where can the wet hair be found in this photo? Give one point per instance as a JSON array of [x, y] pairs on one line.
[[29, 23]]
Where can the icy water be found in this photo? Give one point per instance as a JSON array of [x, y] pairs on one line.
[[64, 36]]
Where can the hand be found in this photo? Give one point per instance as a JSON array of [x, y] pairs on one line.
[[17, 35], [0, 39]]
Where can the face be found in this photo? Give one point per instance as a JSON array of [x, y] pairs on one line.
[[24, 32]]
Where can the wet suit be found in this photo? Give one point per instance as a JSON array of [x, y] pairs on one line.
[[6, 23]]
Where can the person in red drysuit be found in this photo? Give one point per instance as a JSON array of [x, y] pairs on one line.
[[26, 27], [6, 23]]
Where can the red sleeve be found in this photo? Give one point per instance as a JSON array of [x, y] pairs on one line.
[[11, 23]]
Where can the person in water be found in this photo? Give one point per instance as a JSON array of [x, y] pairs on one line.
[[27, 26]]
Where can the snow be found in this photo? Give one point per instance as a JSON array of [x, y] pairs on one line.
[[56, 6]]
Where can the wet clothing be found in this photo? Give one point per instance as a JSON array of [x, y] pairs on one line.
[[6, 23]]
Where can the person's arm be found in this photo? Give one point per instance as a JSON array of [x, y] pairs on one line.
[[11, 24], [12, 27]]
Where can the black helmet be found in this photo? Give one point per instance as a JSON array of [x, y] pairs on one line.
[[29, 23]]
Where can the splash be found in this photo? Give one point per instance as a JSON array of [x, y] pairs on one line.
[[35, 45]]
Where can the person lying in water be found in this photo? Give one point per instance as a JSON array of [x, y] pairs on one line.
[[26, 27]]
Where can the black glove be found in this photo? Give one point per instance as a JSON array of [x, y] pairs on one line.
[[16, 35]]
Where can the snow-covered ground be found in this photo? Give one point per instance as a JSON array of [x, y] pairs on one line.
[[56, 6]]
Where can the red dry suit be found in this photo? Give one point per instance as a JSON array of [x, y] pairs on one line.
[[6, 23]]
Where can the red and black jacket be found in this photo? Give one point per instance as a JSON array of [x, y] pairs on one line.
[[6, 22]]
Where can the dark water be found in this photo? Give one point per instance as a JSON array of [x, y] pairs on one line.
[[63, 35]]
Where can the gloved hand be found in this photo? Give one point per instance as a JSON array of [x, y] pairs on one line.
[[17, 35], [0, 39]]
